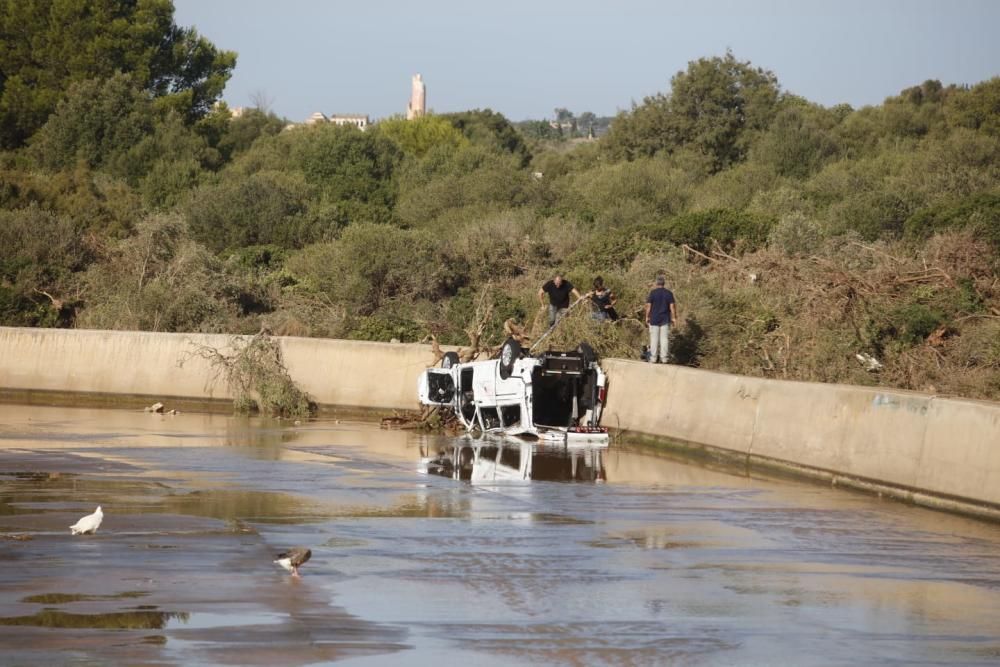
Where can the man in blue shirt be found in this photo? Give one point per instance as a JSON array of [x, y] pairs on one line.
[[661, 311]]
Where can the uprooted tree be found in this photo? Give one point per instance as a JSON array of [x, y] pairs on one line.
[[257, 378]]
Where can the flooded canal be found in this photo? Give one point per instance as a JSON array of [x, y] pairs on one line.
[[434, 550]]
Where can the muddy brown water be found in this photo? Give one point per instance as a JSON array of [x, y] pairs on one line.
[[659, 561]]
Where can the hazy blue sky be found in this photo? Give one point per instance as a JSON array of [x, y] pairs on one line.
[[523, 58]]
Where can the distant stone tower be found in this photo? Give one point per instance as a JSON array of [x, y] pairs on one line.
[[418, 99]]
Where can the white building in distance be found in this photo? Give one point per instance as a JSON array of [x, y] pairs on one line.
[[358, 120]]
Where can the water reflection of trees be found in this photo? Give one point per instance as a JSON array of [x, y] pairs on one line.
[[120, 620], [264, 441]]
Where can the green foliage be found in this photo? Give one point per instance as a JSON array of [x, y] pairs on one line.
[[980, 212], [98, 120], [799, 141], [976, 109], [716, 107], [472, 178], [371, 265], [42, 255], [491, 130], [349, 168], [49, 44], [157, 280], [231, 136], [626, 193], [461, 313], [267, 207], [730, 229], [96, 203], [913, 322], [112, 127], [385, 329], [417, 136], [616, 251]]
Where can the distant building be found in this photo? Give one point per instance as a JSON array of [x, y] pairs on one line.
[[418, 99], [358, 120]]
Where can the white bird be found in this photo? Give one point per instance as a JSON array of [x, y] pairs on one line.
[[89, 523], [293, 559]]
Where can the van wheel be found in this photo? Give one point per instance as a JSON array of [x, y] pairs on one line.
[[509, 353], [449, 359], [586, 353]]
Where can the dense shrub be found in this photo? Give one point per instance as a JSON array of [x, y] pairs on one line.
[[265, 208], [979, 212], [730, 229]]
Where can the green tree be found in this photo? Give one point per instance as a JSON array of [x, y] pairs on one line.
[[798, 142], [977, 108], [268, 207], [419, 135], [96, 120], [237, 135], [716, 106], [491, 130], [43, 254], [354, 171], [45, 45]]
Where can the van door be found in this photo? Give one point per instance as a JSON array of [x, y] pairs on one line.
[[436, 386]]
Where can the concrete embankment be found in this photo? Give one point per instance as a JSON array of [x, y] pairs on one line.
[[930, 450], [934, 451], [164, 366]]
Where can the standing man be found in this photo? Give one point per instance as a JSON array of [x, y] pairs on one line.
[[558, 291], [661, 311]]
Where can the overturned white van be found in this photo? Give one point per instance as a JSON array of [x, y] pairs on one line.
[[555, 396]]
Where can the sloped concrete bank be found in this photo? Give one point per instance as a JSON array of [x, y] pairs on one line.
[[930, 450], [353, 374]]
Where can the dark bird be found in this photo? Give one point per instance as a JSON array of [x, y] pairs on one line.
[[293, 559]]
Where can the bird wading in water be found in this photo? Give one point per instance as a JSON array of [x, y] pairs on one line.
[[293, 559]]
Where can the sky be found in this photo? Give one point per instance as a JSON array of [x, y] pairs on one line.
[[525, 58]]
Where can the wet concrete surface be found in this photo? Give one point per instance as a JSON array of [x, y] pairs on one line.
[[657, 562]]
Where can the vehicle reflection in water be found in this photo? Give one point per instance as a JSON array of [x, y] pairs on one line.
[[503, 459]]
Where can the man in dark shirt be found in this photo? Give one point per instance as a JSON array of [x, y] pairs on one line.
[[661, 311], [558, 291]]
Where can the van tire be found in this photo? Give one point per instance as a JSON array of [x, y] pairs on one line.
[[509, 353], [449, 359], [586, 353]]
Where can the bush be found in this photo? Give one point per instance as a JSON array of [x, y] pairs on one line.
[[979, 212], [796, 235], [264, 208], [461, 314], [385, 328], [912, 323], [730, 229]]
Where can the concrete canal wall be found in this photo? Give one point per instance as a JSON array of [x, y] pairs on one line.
[[165, 366], [930, 450]]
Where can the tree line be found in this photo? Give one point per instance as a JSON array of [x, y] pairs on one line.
[[796, 236]]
